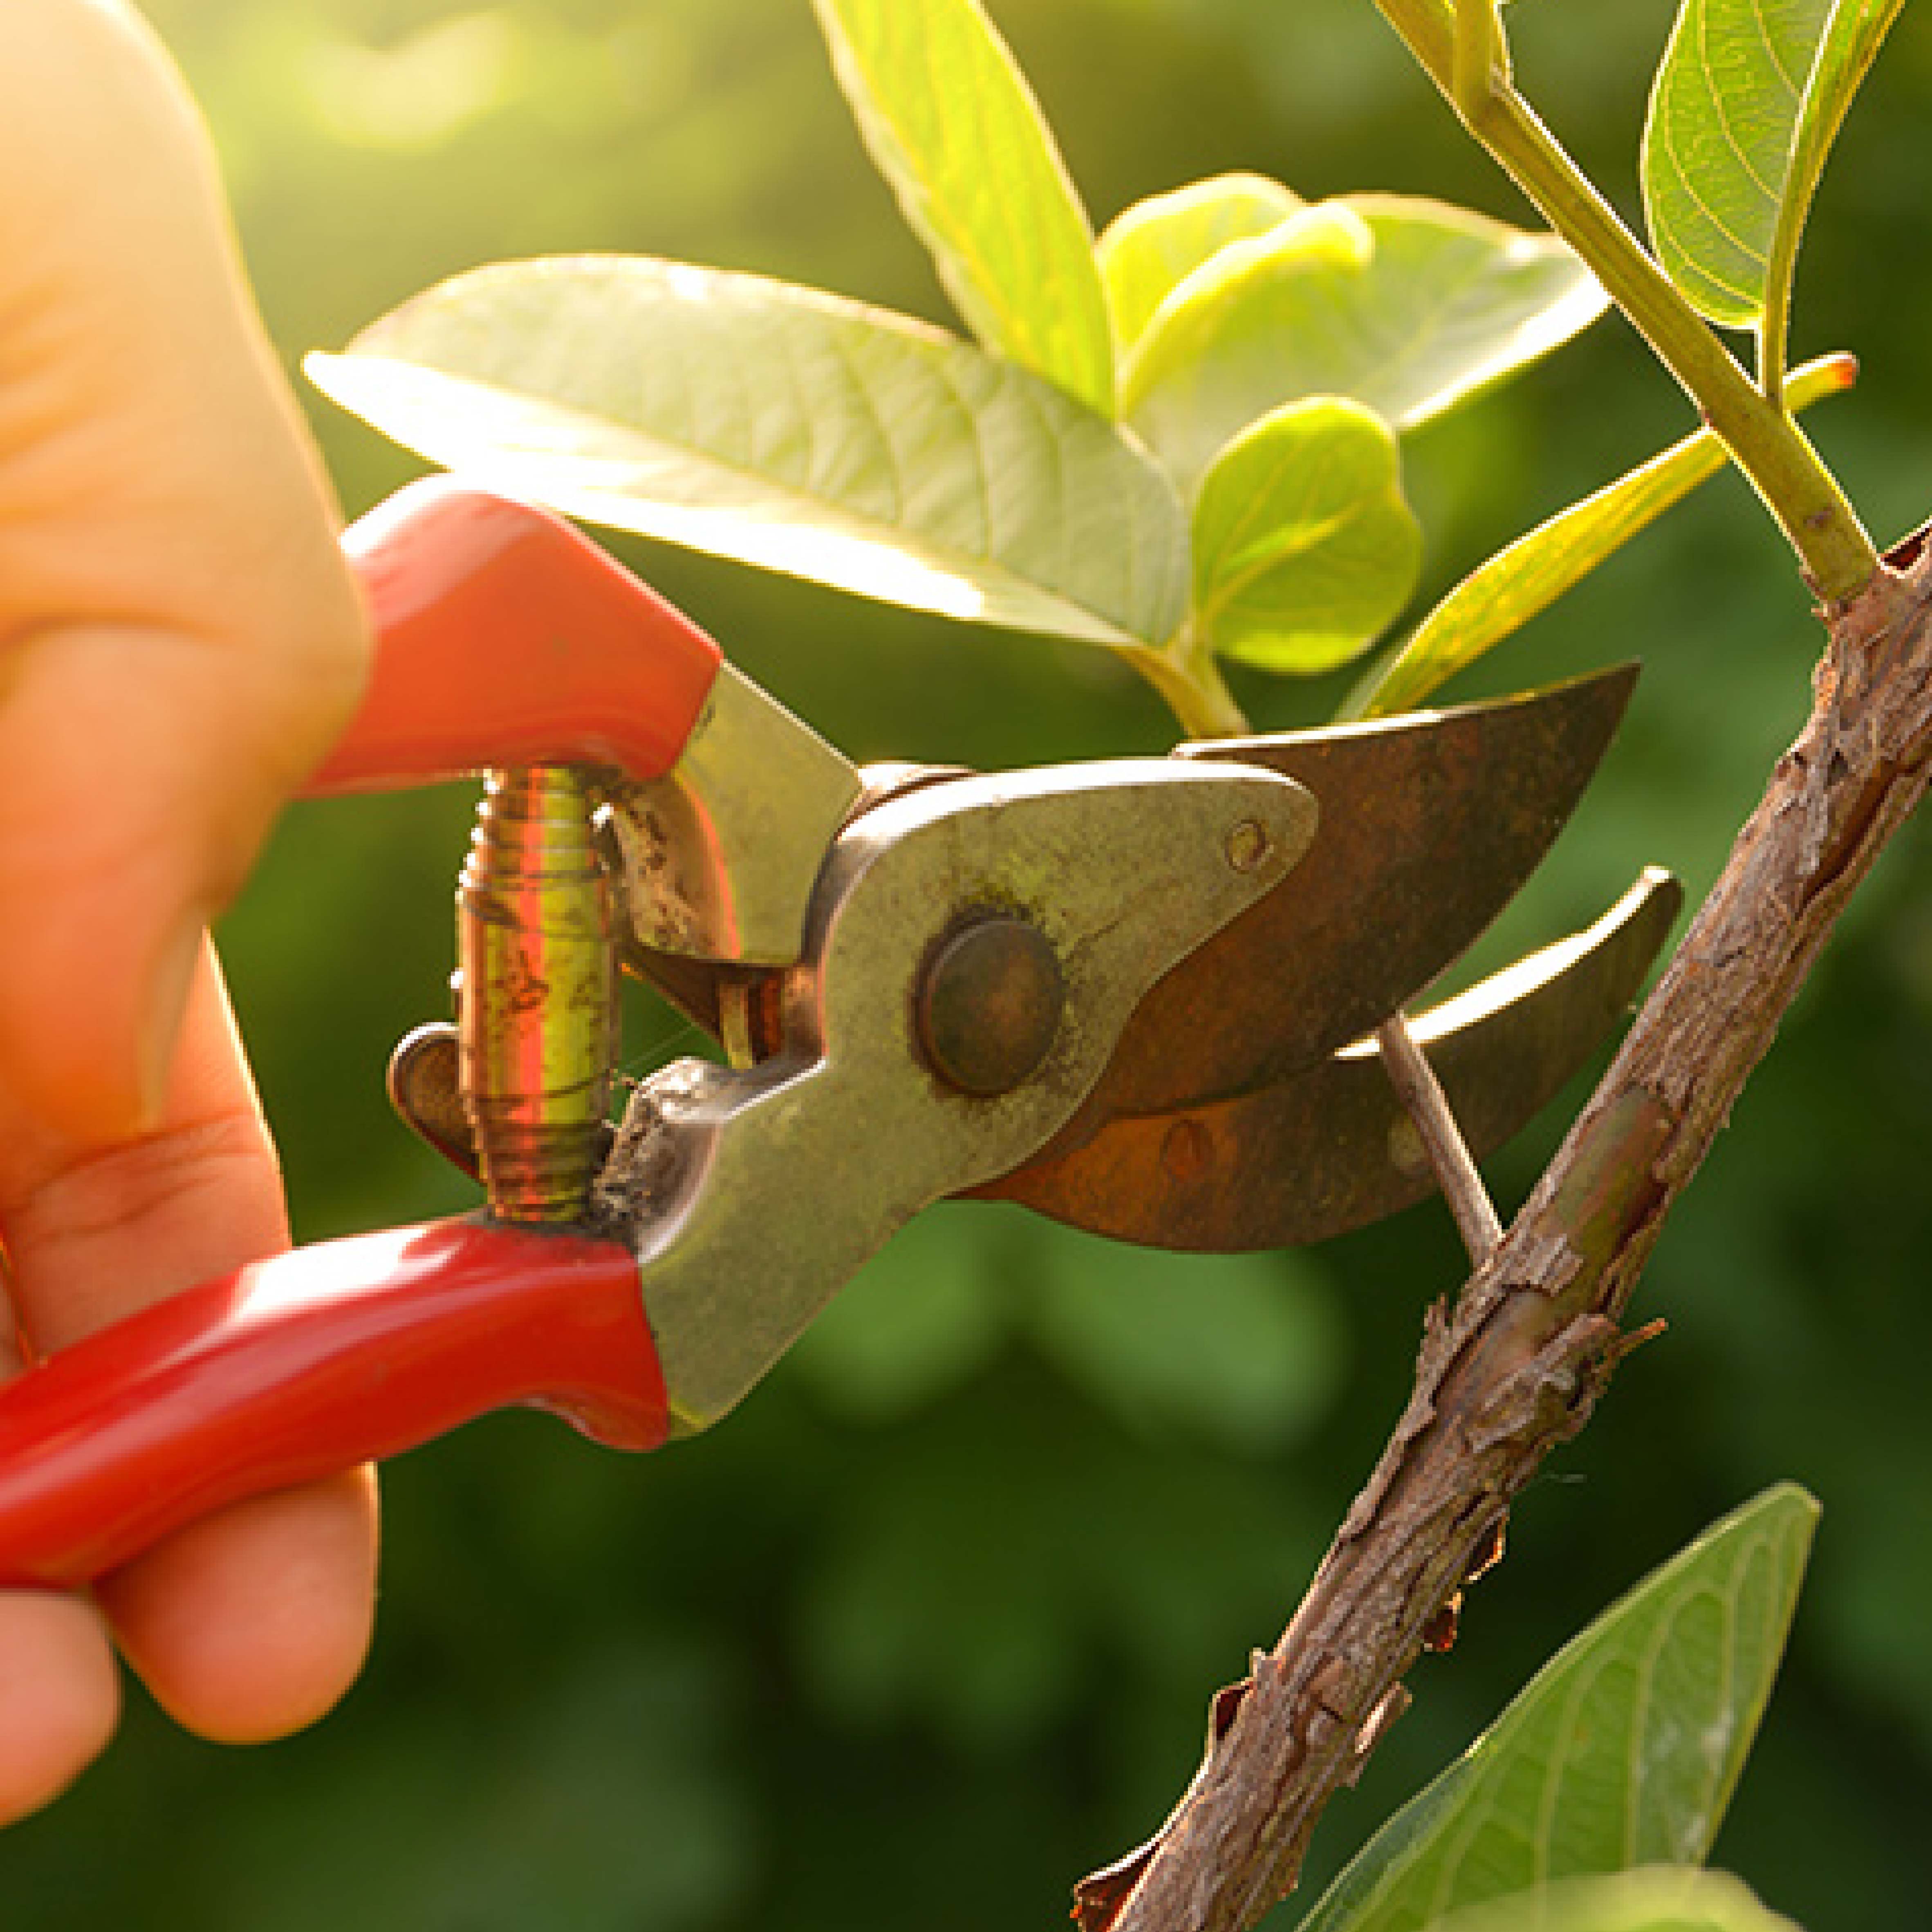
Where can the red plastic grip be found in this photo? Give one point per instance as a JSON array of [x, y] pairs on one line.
[[308, 1364], [505, 636]]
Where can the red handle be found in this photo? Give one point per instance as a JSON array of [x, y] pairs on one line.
[[299, 1367], [503, 636]]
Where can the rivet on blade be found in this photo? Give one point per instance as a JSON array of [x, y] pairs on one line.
[[1247, 845], [1187, 1153], [989, 1004]]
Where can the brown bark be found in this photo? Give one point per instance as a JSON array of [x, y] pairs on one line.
[[1515, 1366]]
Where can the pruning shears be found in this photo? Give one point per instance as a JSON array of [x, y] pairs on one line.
[[1136, 994]]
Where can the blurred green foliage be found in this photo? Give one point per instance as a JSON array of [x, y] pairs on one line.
[[928, 1627]]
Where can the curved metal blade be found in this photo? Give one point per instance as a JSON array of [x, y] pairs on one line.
[[749, 1195], [1430, 823], [1331, 1150]]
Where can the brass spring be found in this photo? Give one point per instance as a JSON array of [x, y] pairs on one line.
[[536, 1017]]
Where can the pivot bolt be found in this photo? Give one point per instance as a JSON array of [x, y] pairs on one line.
[[988, 1004]]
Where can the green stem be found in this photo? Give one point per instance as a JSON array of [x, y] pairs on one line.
[[1481, 60], [1190, 683], [1771, 331], [1838, 556], [1774, 327]]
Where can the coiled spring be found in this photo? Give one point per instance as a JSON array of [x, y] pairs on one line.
[[536, 1018]]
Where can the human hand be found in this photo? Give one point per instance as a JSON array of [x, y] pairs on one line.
[[179, 642]]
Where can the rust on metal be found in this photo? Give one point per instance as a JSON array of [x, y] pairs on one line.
[[1430, 825], [1330, 1149]]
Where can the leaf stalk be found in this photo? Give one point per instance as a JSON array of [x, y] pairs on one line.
[[1772, 329], [1189, 682], [1481, 65], [1838, 556]]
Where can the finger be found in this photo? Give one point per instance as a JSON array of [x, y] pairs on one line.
[[254, 1621], [60, 1695], [59, 1692], [179, 640]]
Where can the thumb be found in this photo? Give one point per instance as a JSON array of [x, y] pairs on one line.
[[179, 639]]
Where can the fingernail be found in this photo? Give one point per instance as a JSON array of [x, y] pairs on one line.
[[169, 980]]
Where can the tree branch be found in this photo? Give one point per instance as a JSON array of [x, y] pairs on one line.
[[1517, 1364]]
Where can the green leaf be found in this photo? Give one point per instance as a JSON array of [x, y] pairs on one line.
[[1624, 1749], [1150, 249], [952, 124], [783, 428], [1659, 1898], [1747, 103], [1499, 598], [1304, 549], [1404, 304]]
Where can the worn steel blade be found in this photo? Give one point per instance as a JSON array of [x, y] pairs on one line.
[[1430, 823], [1330, 1149]]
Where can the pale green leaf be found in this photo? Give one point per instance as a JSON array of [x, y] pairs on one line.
[[783, 428], [1150, 249], [1407, 305], [1497, 599], [1656, 1898], [1748, 99], [952, 124], [1304, 548], [1623, 1751]]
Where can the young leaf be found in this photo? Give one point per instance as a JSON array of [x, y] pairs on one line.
[[1407, 305], [1659, 1898], [1500, 596], [1623, 1749], [783, 428], [1304, 549], [1150, 249], [952, 124], [1746, 104]]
